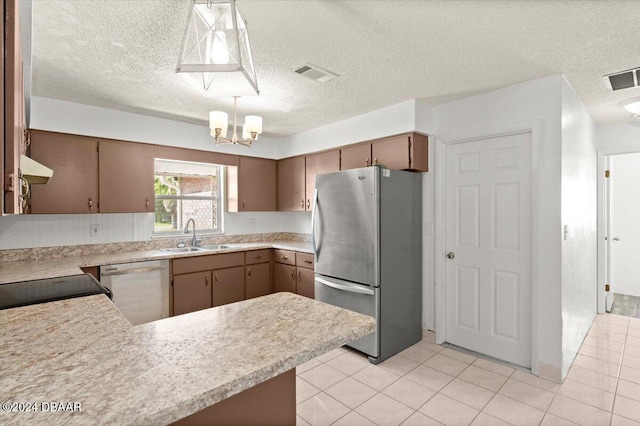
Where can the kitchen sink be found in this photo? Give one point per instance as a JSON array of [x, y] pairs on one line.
[[217, 247], [184, 249]]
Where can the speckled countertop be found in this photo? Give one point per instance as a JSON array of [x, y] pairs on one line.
[[49, 268], [83, 350]]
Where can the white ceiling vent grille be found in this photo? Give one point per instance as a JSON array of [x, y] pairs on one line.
[[623, 80], [316, 73]]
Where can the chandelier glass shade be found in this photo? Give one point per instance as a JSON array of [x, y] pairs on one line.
[[219, 125]]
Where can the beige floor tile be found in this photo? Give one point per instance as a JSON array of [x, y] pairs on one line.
[[630, 374], [536, 381], [304, 390], [597, 365], [331, 354], [313, 363], [612, 318], [448, 411], [409, 393], [348, 363], [631, 361], [527, 394], [321, 410], [460, 356], [447, 365], [429, 336], [604, 344], [635, 332], [551, 420], [604, 334], [429, 346], [628, 408], [398, 365], [419, 419], [632, 350], [617, 420], [301, 422], [612, 328], [633, 340], [494, 366], [604, 354], [375, 377], [354, 419], [578, 412], [514, 412], [383, 410], [629, 389], [417, 353], [468, 393], [484, 419], [426, 376], [483, 378], [323, 376], [592, 378], [587, 394], [350, 392]]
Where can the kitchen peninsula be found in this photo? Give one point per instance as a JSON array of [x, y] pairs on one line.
[[84, 351]]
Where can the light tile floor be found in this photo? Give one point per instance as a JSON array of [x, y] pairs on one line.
[[428, 384]]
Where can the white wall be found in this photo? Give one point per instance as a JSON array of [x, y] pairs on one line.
[[579, 216], [618, 138], [532, 105]]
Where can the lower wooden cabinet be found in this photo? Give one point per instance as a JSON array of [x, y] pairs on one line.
[[191, 292], [306, 283], [293, 272], [258, 280], [284, 278], [228, 285]]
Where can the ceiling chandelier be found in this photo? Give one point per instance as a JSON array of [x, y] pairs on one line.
[[219, 124], [216, 49]]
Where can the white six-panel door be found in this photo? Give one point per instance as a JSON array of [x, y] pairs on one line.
[[488, 239]]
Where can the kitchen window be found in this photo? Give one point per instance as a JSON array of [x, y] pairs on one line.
[[186, 190]]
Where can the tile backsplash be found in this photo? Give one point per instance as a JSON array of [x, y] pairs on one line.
[[25, 231]]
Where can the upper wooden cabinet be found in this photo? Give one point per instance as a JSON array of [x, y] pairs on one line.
[[291, 184], [403, 152], [126, 177], [74, 185], [316, 164], [256, 184], [354, 157]]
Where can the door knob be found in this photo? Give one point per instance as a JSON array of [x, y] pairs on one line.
[[451, 255], [616, 239]]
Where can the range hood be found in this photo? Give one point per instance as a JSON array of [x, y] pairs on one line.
[[34, 172]]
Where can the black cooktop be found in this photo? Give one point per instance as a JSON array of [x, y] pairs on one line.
[[32, 292]]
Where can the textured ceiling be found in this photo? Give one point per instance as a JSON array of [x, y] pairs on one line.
[[122, 54]]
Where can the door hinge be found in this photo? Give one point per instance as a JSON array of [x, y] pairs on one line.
[[9, 184], [606, 287], [607, 173]]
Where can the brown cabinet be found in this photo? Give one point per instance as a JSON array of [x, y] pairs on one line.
[[291, 184], [256, 184], [191, 292], [284, 278], [325, 162], [126, 177], [356, 156], [258, 280], [285, 256], [403, 152], [73, 188], [293, 272], [228, 285], [306, 283]]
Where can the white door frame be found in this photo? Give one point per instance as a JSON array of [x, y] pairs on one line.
[[602, 221], [535, 128]]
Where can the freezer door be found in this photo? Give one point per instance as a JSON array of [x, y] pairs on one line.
[[346, 225], [355, 297]]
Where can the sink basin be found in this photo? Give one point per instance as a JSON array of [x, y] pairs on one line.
[[217, 247], [183, 249]]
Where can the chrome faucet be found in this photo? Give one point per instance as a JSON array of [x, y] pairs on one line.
[[194, 241]]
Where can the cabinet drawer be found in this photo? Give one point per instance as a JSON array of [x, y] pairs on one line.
[[285, 256], [304, 260], [203, 263], [257, 256]]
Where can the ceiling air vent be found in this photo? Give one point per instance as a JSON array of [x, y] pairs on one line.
[[316, 73], [623, 80]]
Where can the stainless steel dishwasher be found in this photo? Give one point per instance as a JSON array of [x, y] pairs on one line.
[[140, 289]]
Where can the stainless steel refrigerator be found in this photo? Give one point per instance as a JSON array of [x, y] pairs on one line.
[[367, 238]]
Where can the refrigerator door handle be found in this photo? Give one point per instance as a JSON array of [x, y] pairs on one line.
[[353, 288], [313, 221]]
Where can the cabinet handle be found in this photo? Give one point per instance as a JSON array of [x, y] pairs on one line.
[[258, 257], [90, 204], [284, 257], [216, 275], [243, 205], [308, 261], [375, 161], [146, 203], [302, 203], [248, 272], [366, 162], [299, 277], [308, 203], [293, 273], [206, 280]]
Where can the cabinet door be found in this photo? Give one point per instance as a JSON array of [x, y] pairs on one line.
[[191, 292], [393, 153], [228, 285], [354, 157], [257, 185], [316, 164], [306, 282], [126, 177], [73, 188], [258, 280], [291, 184], [284, 278]]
